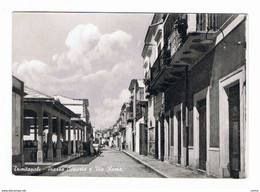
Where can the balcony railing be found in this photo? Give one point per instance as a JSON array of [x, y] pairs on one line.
[[139, 112], [147, 78], [122, 127], [205, 22], [129, 116], [140, 94], [163, 59], [182, 47], [174, 41]]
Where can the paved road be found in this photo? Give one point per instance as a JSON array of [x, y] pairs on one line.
[[79, 162], [110, 163]]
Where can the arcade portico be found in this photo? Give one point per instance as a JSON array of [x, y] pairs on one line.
[[52, 129]]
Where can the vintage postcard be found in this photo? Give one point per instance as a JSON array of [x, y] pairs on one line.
[[158, 95]]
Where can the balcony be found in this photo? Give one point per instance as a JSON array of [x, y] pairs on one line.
[[122, 127], [162, 60], [147, 78], [142, 103], [185, 46], [140, 95], [139, 112], [129, 116], [163, 68], [132, 95]]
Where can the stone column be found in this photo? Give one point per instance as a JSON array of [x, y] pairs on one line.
[[74, 138], [35, 128], [63, 127], [81, 142], [58, 150], [50, 133], [64, 130], [40, 135], [69, 138], [82, 135], [78, 138]]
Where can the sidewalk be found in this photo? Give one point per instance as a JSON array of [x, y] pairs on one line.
[[164, 169], [34, 168]]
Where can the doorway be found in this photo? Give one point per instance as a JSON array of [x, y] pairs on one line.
[[156, 140], [232, 121], [178, 116], [234, 130], [162, 138], [133, 141], [201, 107]]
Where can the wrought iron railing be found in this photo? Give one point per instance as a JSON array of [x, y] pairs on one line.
[[130, 116], [163, 59]]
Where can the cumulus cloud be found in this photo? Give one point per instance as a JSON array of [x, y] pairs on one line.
[[33, 72], [87, 46], [82, 35], [81, 41], [31, 67], [95, 66], [108, 113], [110, 44], [120, 71]]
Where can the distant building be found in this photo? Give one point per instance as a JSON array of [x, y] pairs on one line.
[[139, 129]]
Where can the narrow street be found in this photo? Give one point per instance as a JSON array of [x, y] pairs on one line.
[[110, 163], [165, 92]]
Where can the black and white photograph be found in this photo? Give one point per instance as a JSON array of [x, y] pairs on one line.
[[145, 95], [134, 95]]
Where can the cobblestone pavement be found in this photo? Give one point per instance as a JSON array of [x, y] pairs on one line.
[[110, 163]]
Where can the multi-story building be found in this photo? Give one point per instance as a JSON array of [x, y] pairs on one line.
[[98, 137], [195, 83], [138, 103], [129, 125], [123, 126]]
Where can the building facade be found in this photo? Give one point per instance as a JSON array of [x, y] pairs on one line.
[[195, 83], [17, 121], [50, 130], [79, 107], [138, 104]]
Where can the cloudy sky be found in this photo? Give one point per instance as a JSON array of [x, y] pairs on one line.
[[81, 55]]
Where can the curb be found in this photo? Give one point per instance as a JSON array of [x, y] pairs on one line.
[[55, 165], [146, 165]]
